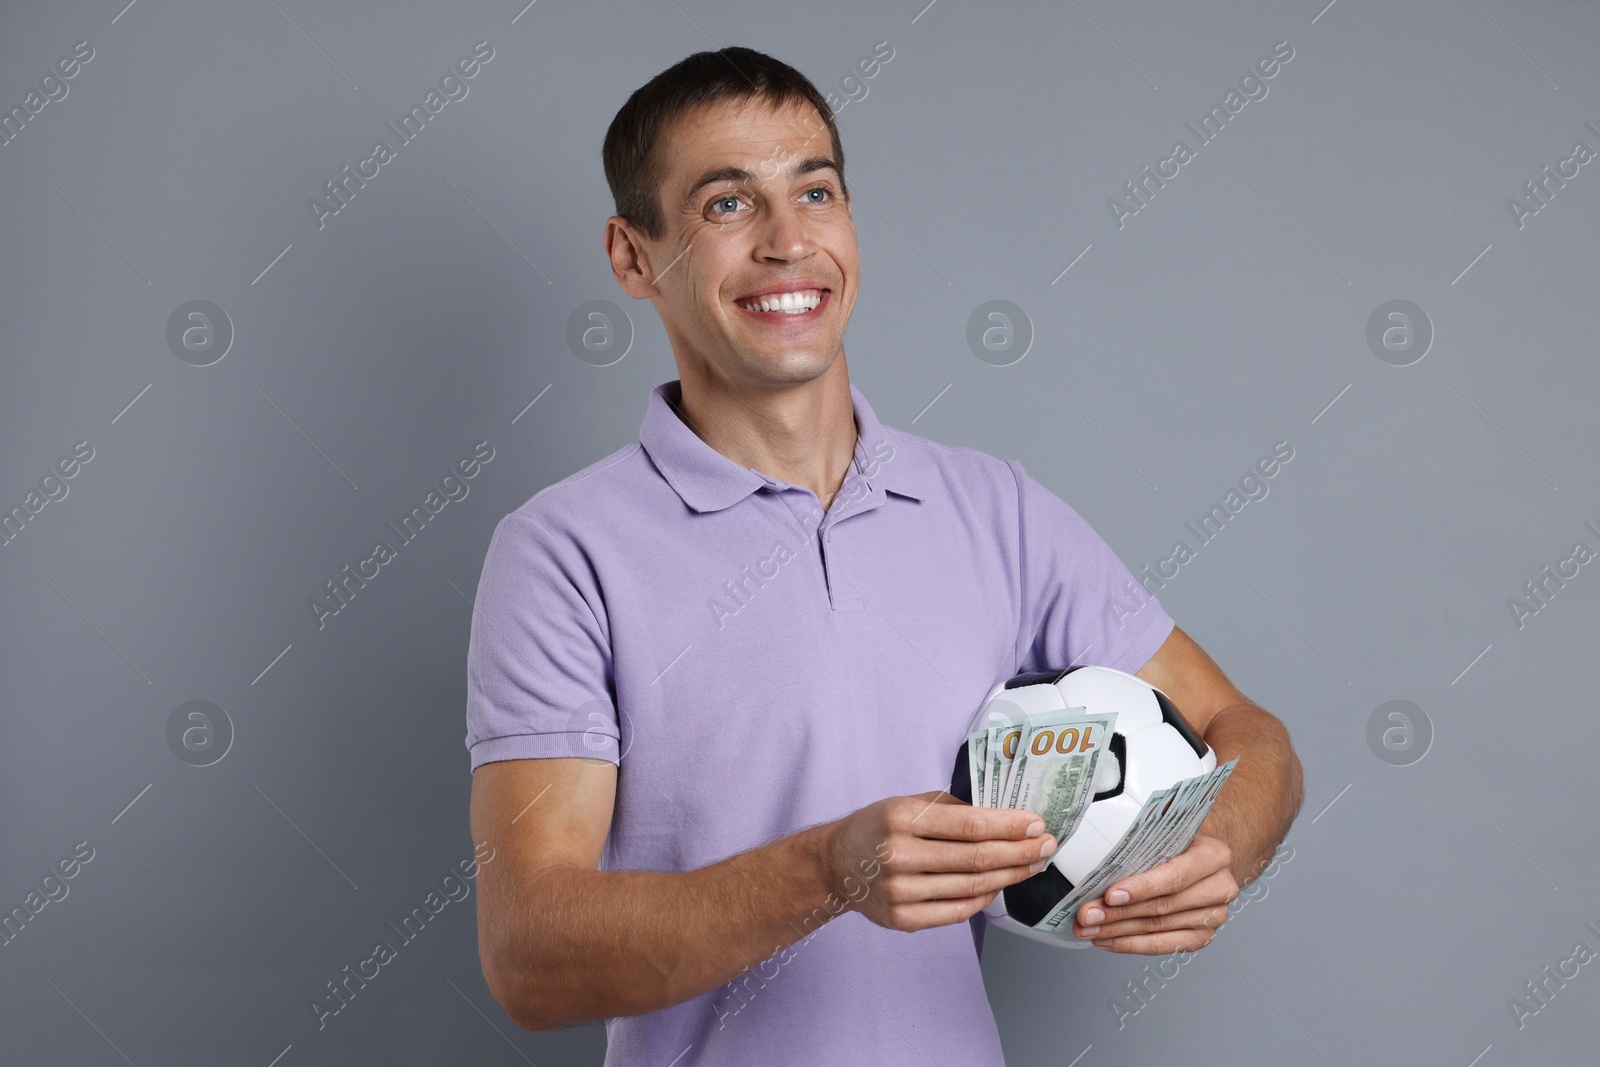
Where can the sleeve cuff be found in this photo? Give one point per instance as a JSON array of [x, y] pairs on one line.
[[564, 744]]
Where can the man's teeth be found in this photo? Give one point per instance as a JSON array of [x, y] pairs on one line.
[[790, 303]]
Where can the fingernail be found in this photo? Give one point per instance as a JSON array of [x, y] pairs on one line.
[[1037, 867], [1047, 849], [1088, 931], [1095, 915], [1035, 829], [1117, 896]]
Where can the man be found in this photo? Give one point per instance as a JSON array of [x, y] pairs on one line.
[[717, 679]]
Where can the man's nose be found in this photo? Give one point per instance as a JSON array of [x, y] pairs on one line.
[[783, 235]]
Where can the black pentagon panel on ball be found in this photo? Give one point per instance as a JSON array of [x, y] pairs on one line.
[[1118, 747], [961, 777], [1032, 899], [1017, 681], [1173, 718]]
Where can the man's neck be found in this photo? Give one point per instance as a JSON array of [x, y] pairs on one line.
[[803, 434]]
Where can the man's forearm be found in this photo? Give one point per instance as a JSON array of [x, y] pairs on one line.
[[597, 944], [1264, 793]]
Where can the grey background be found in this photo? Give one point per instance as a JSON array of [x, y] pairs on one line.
[[1228, 314]]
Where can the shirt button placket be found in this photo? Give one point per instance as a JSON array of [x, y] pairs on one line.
[[827, 572]]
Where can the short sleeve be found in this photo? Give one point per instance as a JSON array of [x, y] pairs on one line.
[[539, 667], [1080, 604]]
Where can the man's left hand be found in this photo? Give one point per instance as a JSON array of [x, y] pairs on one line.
[[1175, 906]]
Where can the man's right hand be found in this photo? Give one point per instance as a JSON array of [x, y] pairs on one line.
[[931, 860]]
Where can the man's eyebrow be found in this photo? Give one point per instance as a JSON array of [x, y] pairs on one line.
[[713, 177], [816, 163], [739, 174]]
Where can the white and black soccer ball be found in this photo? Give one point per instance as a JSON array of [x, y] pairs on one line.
[[1152, 748]]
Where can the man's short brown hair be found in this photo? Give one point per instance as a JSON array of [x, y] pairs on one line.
[[632, 168]]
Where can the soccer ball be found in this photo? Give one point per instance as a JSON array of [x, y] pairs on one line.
[[1152, 748]]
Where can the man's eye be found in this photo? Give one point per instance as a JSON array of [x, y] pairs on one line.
[[824, 194], [716, 205]]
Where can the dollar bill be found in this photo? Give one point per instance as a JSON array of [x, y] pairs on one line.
[[1165, 827], [1002, 750], [1168, 836], [1208, 797], [1055, 766], [1039, 730], [1159, 841]]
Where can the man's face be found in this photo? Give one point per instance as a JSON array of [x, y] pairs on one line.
[[755, 272]]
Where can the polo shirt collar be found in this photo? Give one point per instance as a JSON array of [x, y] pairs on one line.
[[707, 480]]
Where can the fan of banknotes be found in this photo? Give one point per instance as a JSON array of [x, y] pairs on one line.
[[1045, 763], [1118, 798]]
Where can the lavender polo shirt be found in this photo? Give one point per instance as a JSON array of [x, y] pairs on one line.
[[756, 666]]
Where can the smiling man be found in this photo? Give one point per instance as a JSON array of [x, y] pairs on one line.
[[717, 679]]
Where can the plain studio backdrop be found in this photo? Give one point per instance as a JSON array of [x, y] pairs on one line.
[[230, 857]]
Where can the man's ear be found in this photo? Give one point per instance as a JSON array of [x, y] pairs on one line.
[[630, 259]]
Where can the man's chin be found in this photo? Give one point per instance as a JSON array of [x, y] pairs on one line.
[[777, 369]]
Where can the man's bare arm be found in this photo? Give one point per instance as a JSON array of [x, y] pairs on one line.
[[1253, 812], [1264, 793], [561, 942], [1180, 904]]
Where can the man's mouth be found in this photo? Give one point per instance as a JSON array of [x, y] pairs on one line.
[[791, 302]]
